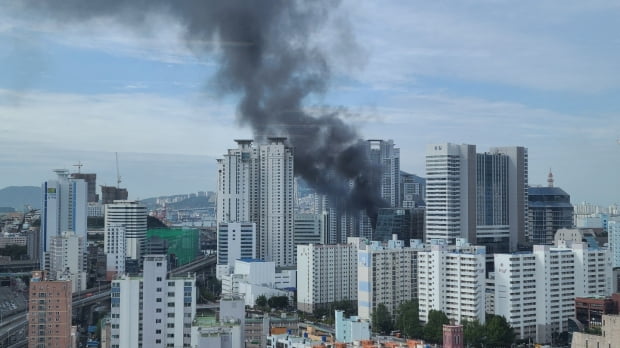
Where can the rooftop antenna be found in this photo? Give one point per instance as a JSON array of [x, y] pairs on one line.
[[118, 175], [79, 166]]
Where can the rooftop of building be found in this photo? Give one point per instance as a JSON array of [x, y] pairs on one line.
[[249, 259], [545, 190]]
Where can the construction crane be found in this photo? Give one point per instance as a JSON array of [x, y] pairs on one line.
[[79, 166], [118, 175]]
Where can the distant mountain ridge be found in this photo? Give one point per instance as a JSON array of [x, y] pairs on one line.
[[19, 196]]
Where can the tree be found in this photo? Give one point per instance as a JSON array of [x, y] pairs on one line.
[[498, 332], [382, 320], [473, 333], [279, 302], [433, 331], [16, 252], [261, 301], [408, 319]]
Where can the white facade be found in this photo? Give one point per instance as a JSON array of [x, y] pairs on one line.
[[450, 192], [152, 310], [95, 209], [351, 329], [252, 278], [256, 184], [556, 268], [228, 332], [132, 215], [515, 291], [114, 248], [451, 278], [235, 240], [276, 203], [326, 273], [614, 241], [67, 261], [379, 265], [64, 208], [536, 291]]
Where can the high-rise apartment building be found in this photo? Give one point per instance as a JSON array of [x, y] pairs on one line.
[[67, 260], [49, 312], [64, 208], [386, 157], [131, 215], [276, 202], [114, 249], [451, 192], [256, 184], [549, 209], [153, 310], [515, 291], [326, 273], [451, 278], [237, 192], [387, 274], [535, 291], [235, 240]]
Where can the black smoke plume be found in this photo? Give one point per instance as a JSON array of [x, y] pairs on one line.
[[266, 56]]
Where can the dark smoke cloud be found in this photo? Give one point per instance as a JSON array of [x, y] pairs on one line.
[[266, 56]]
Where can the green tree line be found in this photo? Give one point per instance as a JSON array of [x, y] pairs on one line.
[[495, 332]]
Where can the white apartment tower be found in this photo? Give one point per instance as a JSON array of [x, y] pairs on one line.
[[450, 192], [64, 208], [326, 273], [237, 179], [67, 261], [535, 291], [451, 278], [256, 184], [387, 274], [515, 291], [153, 310], [131, 215], [115, 250], [276, 203]]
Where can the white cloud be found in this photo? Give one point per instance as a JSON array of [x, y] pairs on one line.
[[118, 122], [510, 43]]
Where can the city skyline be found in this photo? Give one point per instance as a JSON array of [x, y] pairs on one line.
[[532, 75]]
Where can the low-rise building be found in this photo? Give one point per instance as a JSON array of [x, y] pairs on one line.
[[609, 338], [252, 278], [351, 329]]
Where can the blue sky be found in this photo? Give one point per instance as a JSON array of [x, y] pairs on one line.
[[544, 75]]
